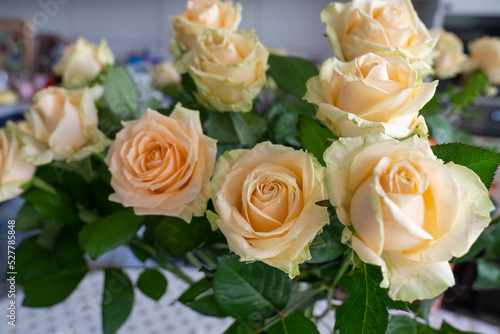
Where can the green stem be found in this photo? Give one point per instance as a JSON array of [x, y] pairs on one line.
[[343, 268], [205, 256], [292, 308], [190, 256], [177, 272], [145, 247]]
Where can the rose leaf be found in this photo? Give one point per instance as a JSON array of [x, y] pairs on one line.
[[152, 283], [481, 161]]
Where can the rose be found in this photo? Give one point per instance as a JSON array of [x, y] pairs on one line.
[[229, 68], [370, 94], [82, 62], [265, 200], [200, 15], [62, 124], [450, 55], [386, 28], [405, 210], [162, 165], [485, 54], [164, 74], [14, 171]]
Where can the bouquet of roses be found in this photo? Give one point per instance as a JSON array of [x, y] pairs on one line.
[[284, 184]]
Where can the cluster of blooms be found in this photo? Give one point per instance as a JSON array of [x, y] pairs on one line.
[[404, 209]]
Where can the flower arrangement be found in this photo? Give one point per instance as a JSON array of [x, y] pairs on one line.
[[284, 184]]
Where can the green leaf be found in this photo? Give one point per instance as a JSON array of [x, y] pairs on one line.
[[295, 323], [488, 276], [314, 137], [120, 92], [327, 245], [423, 309], [207, 305], [493, 246], [195, 290], [49, 234], [109, 232], [152, 103], [365, 311], [117, 300], [109, 123], [100, 191], [473, 89], [244, 290], [443, 132], [291, 73], [220, 127], [402, 324], [178, 237], [241, 326], [82, 168], [57, 207], [28, 218], [152, 283], [482, 162], [249, 127], [48, 276]]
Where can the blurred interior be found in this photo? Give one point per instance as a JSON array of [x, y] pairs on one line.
[[34, 33]]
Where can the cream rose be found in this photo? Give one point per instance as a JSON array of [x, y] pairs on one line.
[[200, 15], [229, 68], [405, 210], [265, 200], [450, 55], [162, 165], [370, 94], [164, 74], [485, 54], [61, 125], [385, 27], [14, 171], [82, 62]]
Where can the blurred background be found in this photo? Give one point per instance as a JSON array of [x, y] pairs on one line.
[[34, 33]]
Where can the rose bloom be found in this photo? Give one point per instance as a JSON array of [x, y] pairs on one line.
[[14, 171], [265, 200], [164, 74], [485, 54], [370, 94], [386, 28], [200, 15], [82, 62], [405, 210], [61, 125], [229, 68], [450, 55], [162, 165]]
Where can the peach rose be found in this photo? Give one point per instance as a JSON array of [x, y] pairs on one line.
[[229, 68], [82, 62], [265, 200], [450, 55], [200, 15], [61, 125], [14, 171], [485, 54], [370, 94], [162, 165], [386, 28], [404, 210]]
